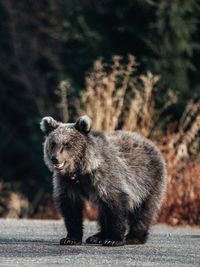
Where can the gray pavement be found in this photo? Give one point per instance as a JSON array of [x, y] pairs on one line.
[[36, 243]]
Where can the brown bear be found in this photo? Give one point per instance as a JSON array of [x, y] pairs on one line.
[[121, 172]]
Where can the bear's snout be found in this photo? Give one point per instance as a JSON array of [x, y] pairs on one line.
[[54, 159]]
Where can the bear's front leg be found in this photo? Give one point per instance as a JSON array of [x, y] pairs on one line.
[[71, 207], [112, 221]]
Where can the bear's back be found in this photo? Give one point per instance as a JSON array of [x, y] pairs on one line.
[[138, 152], [131, 142]]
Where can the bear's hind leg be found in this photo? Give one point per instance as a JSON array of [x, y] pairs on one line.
[[139, 222]]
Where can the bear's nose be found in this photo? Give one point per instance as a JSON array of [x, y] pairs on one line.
[[54, 159]]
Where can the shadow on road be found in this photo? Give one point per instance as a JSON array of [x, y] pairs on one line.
[[27, 241]]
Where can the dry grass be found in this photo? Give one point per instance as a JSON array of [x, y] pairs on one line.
[[12, 203], [181, 150], [105, 93], [182, 203], [117, 98]]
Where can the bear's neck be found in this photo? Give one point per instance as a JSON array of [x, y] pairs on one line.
[[94, 154]]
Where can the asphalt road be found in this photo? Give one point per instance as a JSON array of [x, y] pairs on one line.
[[36, 243]]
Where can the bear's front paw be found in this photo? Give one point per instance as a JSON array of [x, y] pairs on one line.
[[113, 243], [70, 242], [95, 239]]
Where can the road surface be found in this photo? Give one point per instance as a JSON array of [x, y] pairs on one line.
[[36, 243]]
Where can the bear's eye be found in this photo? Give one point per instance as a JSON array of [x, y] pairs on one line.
[[53, 144], [67, 145]]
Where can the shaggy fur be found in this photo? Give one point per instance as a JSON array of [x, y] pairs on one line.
[[123, 173]]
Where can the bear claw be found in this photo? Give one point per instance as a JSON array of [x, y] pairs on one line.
[[69, 242], [113, 243], [95, 239]]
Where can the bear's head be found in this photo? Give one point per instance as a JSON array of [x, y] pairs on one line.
[[65, 143]]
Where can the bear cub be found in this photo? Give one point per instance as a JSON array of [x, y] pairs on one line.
[[121, 172]]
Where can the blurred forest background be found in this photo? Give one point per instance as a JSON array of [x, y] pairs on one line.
[[132, 64]]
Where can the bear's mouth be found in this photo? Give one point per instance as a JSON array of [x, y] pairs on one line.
[[60, 166]]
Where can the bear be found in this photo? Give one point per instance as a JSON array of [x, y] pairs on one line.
[[122, 172]]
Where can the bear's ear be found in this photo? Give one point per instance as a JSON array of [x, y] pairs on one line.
[[83, 124], [48, 124]]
